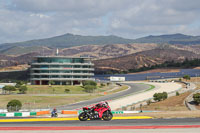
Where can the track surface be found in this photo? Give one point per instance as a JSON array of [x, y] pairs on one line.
[[133, 89], [147, 122]]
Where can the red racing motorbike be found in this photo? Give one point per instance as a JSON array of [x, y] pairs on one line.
[[97, 112]]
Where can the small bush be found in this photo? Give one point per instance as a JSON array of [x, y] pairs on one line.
[[196, 98], [164, 95], [89, 88], [14, 105], [67, 90], [186, 77], [177, 93], [102, 84], [89, 82], [23, 89]]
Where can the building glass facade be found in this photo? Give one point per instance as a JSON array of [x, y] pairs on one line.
[[61, 70]]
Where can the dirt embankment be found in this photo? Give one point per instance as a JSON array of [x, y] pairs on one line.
[[159, 70]]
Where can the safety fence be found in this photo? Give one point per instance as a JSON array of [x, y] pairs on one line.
[[24, 114], [113, 112]]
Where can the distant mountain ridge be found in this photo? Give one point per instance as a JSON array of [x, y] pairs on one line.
[[170, 39], [70, 40]]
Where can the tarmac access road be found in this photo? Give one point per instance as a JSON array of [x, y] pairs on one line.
[[134, 87]]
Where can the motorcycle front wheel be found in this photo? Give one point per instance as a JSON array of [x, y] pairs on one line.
[[83, 116], [107, 116]]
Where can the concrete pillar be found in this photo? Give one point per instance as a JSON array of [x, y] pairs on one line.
[[60, 82], [40, 82], [72, 83]]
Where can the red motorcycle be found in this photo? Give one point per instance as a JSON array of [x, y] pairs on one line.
[[99, 111]]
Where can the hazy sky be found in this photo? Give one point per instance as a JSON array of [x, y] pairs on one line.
[[33, 19]]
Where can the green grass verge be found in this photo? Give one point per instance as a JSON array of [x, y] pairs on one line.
[[151, 87]]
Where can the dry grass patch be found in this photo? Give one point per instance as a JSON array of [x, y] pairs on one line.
[[174, 103]]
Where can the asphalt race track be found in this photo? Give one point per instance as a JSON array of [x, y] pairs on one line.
[[133, 89], [130, 122]]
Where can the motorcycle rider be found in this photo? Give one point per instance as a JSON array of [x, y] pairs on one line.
[[54, 112]]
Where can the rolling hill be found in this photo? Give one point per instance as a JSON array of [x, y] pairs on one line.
[[144, 59], [70, 40]]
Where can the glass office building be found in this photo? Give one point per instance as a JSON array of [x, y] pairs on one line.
[[61, 70]]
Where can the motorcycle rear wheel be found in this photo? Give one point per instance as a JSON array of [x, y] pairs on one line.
[[83, 116], [107, 116]]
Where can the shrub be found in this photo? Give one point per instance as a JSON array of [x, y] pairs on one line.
[[23, 89], [196, 98], [67, 90], [187, 77], [9, 88], [89, 82], [14, 105], [51, 82], [89, 88], [164, 95], [177, 93], [157, 97], [102, 84], [160, 96]]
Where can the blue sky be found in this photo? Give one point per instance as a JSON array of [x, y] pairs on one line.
[[22, 20]]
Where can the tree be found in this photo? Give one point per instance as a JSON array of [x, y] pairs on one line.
[[18, 84], [23, 89], [89, 82], [9, 88], [157, 97], [164, 95], [160, 96], [51, 82], [196, 98], [186, 77], [14, 105], [89, 88]]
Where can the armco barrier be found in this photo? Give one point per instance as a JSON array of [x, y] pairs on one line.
[[18, 114], [43, 112], [69, 112], [113, 112]]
